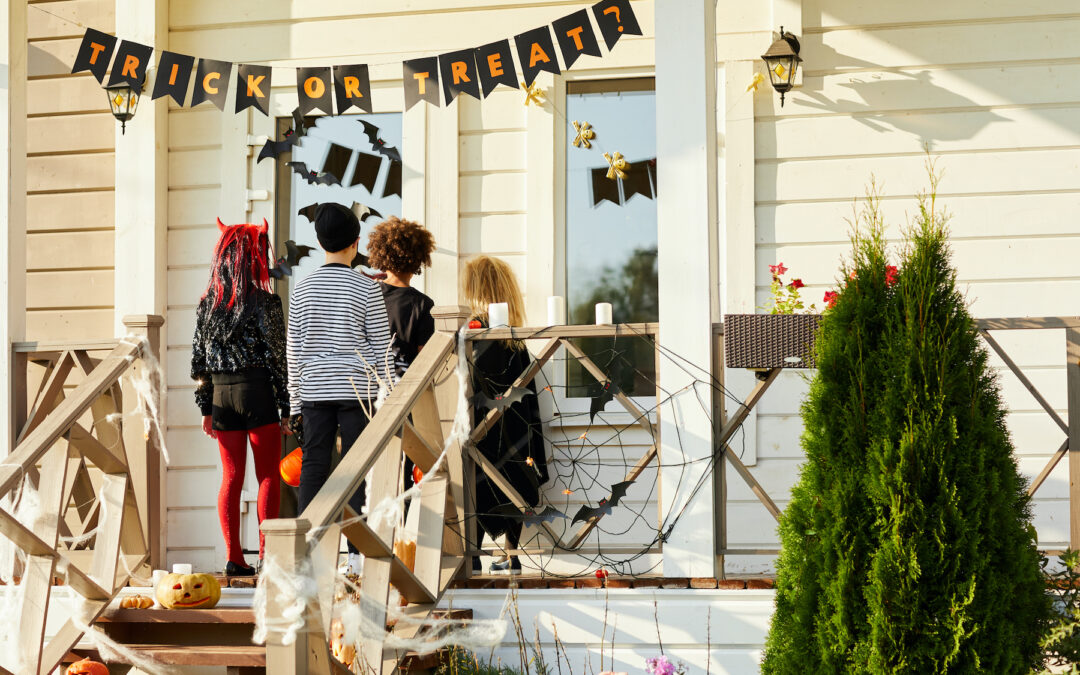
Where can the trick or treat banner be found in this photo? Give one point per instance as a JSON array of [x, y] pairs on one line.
[[334, 88]]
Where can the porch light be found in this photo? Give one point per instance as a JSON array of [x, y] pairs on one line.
[[782, 61], [123, 99]]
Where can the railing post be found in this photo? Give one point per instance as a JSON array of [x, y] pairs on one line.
[[1072, 378], [286, 549], [144, 449], [448, 319]]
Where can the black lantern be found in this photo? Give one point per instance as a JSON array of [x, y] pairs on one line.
[[123, 99], [782, 61]]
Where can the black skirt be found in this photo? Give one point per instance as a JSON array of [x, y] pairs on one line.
[[244, 400]]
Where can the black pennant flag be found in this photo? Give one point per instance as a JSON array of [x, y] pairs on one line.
[[495, 63], [211, 82], [421, 80], [393, 179], [616, 18], [131, 61], [576, 37], [352, 87], [313, 89], [536, 52], [94, 53], [603, 187], [637, 182], [253, 88], [337, 160], [173, 76], [366, 171], [458, 73]]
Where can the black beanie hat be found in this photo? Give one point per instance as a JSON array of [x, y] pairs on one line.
[[336, 227]]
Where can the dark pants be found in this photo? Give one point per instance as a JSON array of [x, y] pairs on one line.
[[322, 421]]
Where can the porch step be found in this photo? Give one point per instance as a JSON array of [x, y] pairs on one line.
[[249, 656]]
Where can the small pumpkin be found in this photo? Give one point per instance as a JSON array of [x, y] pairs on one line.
[[290, 467], [136, 602], [345, 653], [87, 667], [188, 591]]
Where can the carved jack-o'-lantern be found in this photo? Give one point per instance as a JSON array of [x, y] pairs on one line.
[[87, 667], [188, 591]]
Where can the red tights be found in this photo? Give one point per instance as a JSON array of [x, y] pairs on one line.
[[266, 448]]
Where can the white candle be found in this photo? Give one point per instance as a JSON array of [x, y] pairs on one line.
[[498, 315], [181, 568], [556, 311], [158, 576], [603, 314]]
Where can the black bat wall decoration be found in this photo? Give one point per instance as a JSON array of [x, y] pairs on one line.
[[549, 515], [274, 148], [603, 397], [362, 211], [359, 259], [301, 170], [618, 491], [380, 146], [294, 254], [501, 401]]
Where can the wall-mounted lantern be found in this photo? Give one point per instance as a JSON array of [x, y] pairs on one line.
[[782, 61], [123, 99]]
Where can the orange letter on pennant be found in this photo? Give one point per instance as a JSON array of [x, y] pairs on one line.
[[96, 49], [538, 54], [253, 85], [131, 66], [206, 82], [495, 65], [314, 87], [352, 87], [421, 78], [575, 33], [460, 70]]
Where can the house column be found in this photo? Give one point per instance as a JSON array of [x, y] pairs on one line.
[[12, 213], [687, 216], [142, 176]]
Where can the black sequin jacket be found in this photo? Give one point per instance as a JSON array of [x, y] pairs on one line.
[[257, 342]]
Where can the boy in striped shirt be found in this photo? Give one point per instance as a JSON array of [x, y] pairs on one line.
[[338, 349]]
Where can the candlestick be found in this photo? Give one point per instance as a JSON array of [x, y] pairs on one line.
[[498, 315], [603, 314], [556, 311]]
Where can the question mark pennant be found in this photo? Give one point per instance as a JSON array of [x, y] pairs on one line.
[[615, 18]]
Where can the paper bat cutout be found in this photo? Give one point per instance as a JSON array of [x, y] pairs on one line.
[[606, 395], [292, 258], [549, 515], [360, 259], [380, 146], [274, 148], [501, 401], [301, 170], [362, 211], [618, 491]]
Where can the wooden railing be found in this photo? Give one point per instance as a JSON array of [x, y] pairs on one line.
[[416, 419], [84, 422]]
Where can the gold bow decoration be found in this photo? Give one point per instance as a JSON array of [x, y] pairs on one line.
[[758, 79], [585, 134], [533, 94], [618, 166]]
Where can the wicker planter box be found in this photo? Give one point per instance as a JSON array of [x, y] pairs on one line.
[[770, 340]]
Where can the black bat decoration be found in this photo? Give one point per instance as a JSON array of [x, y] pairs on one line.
[[380, 146], [301, 170], [603, 397], [274, 148], [360, 259], [501, 401], [362, 211], [549, 515], [292, 258], [618, 491]]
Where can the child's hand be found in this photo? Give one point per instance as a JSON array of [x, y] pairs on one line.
[[285, 426], [208, 426]]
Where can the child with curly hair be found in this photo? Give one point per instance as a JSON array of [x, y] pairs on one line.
[[402, 249]]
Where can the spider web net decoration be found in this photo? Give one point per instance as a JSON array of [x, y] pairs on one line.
[[590, 457]]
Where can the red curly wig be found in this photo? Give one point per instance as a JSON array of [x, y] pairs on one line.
[[241, 265]]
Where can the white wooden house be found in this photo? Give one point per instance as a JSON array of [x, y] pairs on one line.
[[100, 225]]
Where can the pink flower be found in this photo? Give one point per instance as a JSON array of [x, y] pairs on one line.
[[796, 284], [659, 666], [891, 275], [830, 299], [777, 269]]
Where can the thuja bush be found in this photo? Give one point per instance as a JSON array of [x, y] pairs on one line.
[[907, 545]]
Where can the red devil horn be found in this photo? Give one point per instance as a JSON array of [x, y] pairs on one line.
[[221, 226], [265, 227]]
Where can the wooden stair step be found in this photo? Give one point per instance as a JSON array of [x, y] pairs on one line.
[[237, 615], [183, 655]]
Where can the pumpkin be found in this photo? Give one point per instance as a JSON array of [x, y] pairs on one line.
[[87, 667], [345, 653], [417, 474], [136, 602], [290, 467], [188, 591]]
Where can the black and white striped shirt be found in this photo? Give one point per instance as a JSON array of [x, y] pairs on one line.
[[338, 330]]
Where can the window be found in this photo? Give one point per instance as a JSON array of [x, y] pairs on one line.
[[611, 235], [338, 145]]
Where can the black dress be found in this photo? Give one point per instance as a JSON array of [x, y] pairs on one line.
[[511, 442]]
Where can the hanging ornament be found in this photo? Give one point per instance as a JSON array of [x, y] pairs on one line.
[[758, 79], [618, 166], [533, 94], [585, 134]]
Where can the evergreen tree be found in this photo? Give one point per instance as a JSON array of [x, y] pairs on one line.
[[907, 545]]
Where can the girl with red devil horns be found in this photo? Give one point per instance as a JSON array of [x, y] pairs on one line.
[[238, 360]]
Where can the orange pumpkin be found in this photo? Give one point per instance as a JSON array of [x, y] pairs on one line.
[[136, 602], [290, 467], [188, 591], [87, 667], [417, 474], [345, 653]]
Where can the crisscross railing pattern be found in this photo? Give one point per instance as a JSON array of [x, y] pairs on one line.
[[92, 538]]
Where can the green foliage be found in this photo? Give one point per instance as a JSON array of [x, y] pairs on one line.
[[1062, 641], [464, 662], [907, 545]]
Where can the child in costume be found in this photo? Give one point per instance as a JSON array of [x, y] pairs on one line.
[[238, 360], [338, 345], [515, 444]]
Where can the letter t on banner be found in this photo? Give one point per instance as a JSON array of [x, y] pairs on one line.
[[94, 53], [420, 77]]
